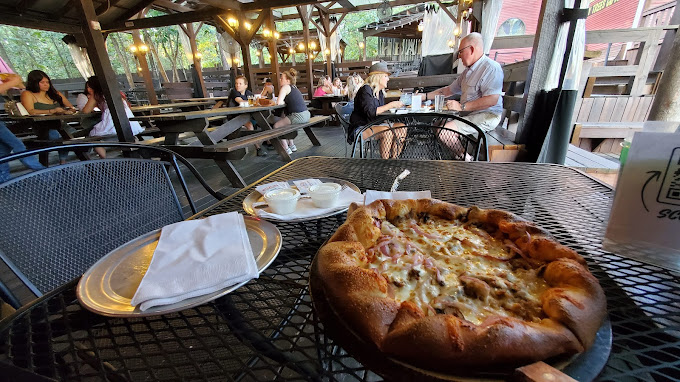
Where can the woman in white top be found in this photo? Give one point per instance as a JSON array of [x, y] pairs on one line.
[[95, 97]]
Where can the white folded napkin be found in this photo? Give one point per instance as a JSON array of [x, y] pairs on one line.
[[372, 195], [305, 208], [263, 188], [197, 257]]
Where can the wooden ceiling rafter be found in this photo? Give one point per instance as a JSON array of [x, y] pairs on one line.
[[105, 7], [226, 5], [58, 14], [358, 8], [337, 24]]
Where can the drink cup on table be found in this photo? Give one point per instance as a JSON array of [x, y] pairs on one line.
[[438, 102]]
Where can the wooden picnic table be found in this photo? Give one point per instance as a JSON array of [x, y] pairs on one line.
[[43, 123], [197, 122], [183, 106], [327, 101]]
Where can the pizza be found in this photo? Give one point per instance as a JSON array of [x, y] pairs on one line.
[[441, 286]]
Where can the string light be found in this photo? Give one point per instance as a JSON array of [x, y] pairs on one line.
[[301, 46], [421, 27], [257, 52], [266, 32], [456, 31], [361, 44], [312, 45], [451, 43], [232, 22], [276, 35], [248, 25], [292, 50], [327, 51]]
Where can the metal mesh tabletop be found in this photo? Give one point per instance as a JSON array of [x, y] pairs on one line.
[[268, 330]]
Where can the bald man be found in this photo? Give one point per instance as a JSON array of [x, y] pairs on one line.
[[480, 87]]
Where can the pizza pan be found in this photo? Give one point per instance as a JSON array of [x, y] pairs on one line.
[[256, 196], [109, 285], [582, 367]]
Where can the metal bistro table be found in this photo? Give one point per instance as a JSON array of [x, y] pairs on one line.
[[268, 329]]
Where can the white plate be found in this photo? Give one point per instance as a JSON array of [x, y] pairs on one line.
[[255, 196], [109, 285]]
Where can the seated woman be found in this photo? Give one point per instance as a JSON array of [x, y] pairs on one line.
[[354, 83], [268, 90], [337, 84], [9, 142], [295, 110], [369, 103], [95, 96], [40, 97], [325, 87], [238, 94]]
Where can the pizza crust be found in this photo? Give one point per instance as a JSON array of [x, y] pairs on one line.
[[574, 304]]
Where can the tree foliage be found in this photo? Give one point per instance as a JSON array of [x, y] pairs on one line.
[[28, 49]]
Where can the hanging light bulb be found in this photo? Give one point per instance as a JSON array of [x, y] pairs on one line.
[[301, 46], [133, 48], [143, 48], [199, 55], [312, 45], [257, 52], [451, 43], [292, 50], [248, 25], [276, 34], [266, 32], [327, 51], [232, 22], [421, 27], [361, 44], [456, 31]]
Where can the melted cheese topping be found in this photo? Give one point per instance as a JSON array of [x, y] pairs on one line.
[[453, 268]]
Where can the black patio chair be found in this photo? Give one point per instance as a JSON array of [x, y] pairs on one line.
[[419, 142], [58, 221], [344, 120]]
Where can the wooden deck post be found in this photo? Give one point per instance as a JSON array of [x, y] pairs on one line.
[[144, 65], [539, 65], [304, 16], [666, 105], [96, 49], [191, 33], [272, 48]]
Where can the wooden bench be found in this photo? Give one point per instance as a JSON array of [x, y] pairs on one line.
[[589, 162], [501, 146], [252, 138]]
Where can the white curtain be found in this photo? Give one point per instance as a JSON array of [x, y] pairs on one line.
[[571, 78], [82, 60], [491, 11], [334, 44], [229, 49], [186, 46], [437, 31]]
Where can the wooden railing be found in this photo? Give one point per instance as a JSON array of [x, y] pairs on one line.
[[658, 16]]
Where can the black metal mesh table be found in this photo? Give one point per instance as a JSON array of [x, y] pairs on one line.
[[268, 329]]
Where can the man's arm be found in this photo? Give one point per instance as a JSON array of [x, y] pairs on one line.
[[481, 103]]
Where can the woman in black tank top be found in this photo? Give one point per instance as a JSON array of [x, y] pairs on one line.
[[296, 109]]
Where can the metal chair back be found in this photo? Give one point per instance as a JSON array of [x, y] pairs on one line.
[[419, 142], [59, 221], [344, 120]]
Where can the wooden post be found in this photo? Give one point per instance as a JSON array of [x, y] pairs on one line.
[[96, 49], [144, 64], [302, 10], [667, 45], [194, 50], [666, 105], [272, 48], [260, 61], [539, 65]]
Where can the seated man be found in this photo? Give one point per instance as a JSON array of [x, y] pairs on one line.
[[238, 94], [480, 86]]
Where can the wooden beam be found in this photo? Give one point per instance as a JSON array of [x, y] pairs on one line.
[[338, 23], [161, 21], [366, 7], [9, 17], [24, 5], [167, 4], [197, 62], [347, 5], [255, 26], [272, 49], [105, 6], [302, 11], [443, 8], [135, 9], [227, 5], [96, 49], [144, 64]]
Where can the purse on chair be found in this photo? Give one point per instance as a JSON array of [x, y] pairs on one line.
[[15, 108]]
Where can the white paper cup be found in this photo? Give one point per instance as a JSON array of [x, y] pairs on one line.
[[282, 201], [325, 195]]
